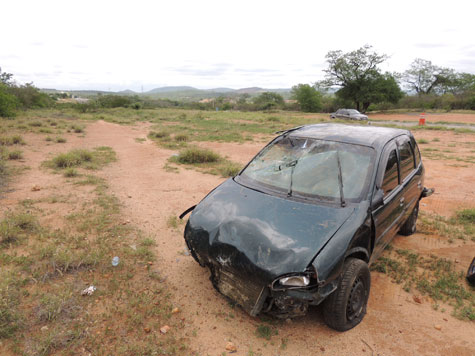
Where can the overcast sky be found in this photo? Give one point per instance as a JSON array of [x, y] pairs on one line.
[[117, 45]]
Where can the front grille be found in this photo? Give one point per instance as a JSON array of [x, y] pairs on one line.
[[248, 295]]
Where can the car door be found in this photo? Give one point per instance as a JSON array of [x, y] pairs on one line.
[[410, 178], [341, 114], [387, 216]]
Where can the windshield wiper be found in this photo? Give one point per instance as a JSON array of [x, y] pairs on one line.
[[291, 164], [340, 180]]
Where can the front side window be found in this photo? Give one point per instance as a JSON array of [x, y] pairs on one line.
[[309, 168], [391, 176]]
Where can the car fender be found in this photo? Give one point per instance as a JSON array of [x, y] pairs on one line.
[[352, 239]]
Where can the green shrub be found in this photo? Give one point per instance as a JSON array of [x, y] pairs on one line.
[[70, 172], [197, 155], [14, 155], [14, 225], [73, 158], [181, 138], [158, 134], [60, 140]]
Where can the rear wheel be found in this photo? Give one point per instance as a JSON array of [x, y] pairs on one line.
[[471, 273], [409, 226], [346, 307]]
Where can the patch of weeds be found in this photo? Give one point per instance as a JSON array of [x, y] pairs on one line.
[[48, 139], [15, 155], [15, 225], [57, 305], [45, 130], [436, 139], [10, 320], [95, 159], [433, 276], [11, 140], [90, 180], [35, 123], [172, 222], [70, 172], [158, 134], [228, 169], [77, 128], [181, 138], [196, 155], [422, 141], [140, 139], [60, 139], [266, 331]]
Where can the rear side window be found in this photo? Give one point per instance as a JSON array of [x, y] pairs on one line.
[[391, 177], [417, 154], [406, 157]]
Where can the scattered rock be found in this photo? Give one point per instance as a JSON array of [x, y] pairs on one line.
[[417, 299], [457, 261], [35, 188], [44, 328], [147, 330], [231, 347], [438, 327], [446, 319], [322, 349], [89, 290], [164, 329], [175, 310], [129, 196]]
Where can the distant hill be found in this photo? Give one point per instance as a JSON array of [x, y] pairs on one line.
[[180, 93]]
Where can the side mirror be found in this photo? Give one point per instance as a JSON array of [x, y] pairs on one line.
[[378, 199]]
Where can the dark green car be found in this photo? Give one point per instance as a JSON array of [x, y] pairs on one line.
[[300, 224]]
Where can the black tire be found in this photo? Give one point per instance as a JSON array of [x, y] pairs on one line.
[[409, 226], [471, 273], [346, 306]]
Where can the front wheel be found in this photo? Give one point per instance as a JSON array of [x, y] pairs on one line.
[[346, 307]]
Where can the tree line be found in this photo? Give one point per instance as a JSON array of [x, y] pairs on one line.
[[352, 79]]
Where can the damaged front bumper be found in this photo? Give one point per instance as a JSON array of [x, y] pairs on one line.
[[255, 298]]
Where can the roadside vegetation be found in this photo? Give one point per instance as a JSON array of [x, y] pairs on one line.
[[433, 276], [46, 268]]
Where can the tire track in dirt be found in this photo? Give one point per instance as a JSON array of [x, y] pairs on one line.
[[394, 325]]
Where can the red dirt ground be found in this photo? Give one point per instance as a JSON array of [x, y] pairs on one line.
[[394, 324]]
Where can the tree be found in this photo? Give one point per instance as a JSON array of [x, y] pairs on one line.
[[8, 102], [308, 97], [268, 101], [359, 78], [425, 78], [5, 78]]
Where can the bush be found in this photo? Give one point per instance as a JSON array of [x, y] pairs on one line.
[[13, 155], [73, 158], [158, 134], [8, 103], [197, 155], [181, 138]]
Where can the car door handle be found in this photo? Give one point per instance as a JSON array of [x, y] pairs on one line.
[[419, 184], [401, 201]]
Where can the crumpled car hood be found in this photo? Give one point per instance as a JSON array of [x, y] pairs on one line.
[[257, 235]]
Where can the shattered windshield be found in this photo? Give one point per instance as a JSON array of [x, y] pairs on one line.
[[312, 168]]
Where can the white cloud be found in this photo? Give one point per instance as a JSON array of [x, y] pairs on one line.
[[123, 44]]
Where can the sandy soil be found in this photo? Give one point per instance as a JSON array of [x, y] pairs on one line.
[[394, 325]]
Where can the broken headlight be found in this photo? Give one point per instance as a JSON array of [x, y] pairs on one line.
[[294, 281]]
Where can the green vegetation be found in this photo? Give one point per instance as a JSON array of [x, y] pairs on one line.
[[207, 161], [308, 97], [266, 331], [460, 226], [196, 155], [42, 311], [422, 141], [432, 276], [14, 155], [95, 159]]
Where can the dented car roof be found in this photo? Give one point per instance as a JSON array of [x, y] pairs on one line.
[[371, 136]]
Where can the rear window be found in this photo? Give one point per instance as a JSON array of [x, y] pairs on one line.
[[406, 157], [417, 154]]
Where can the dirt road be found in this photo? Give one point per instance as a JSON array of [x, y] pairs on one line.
[[394, 325]]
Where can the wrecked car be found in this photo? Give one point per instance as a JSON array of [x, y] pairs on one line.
[[301, 223]]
